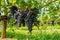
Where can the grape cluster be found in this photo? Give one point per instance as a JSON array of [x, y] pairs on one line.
[[31, 19], [13, 10], [27, 17]]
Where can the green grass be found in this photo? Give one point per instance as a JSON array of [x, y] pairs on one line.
[[52, 35], [46, 32]]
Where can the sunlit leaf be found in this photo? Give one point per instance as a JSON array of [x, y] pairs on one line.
[[12, 1], [2, 2]]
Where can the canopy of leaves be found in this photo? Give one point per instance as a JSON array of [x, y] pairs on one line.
[[48, 9]]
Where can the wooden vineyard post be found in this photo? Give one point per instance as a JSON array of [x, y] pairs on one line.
[[4, 25]]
